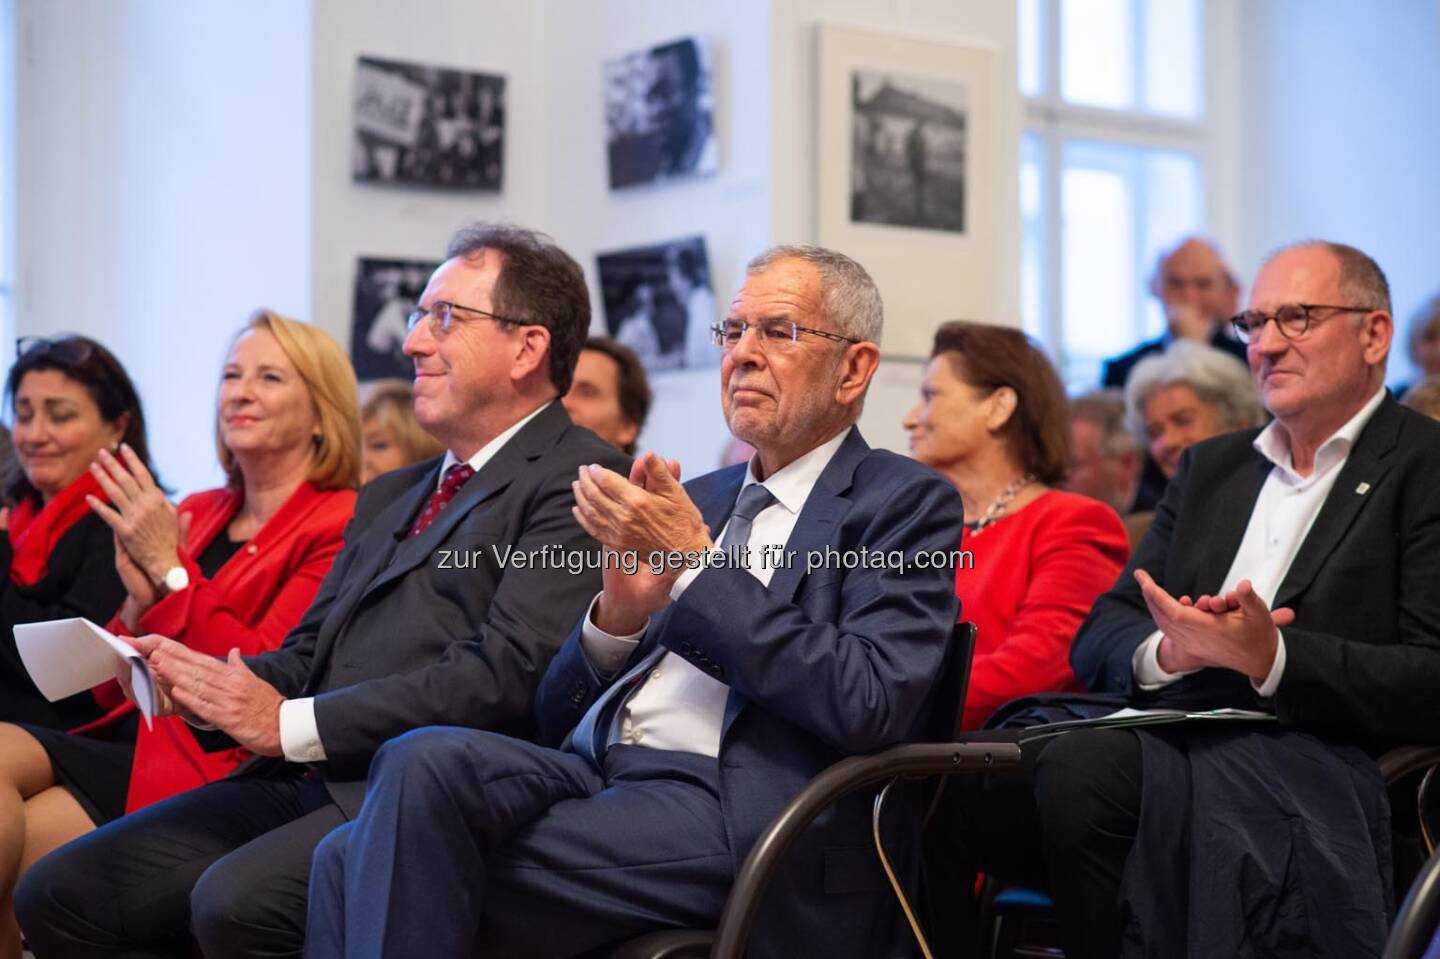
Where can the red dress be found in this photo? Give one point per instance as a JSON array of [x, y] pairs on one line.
[[1035, 575], [255, 599]]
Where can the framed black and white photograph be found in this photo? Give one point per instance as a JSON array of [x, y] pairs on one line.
[[428, 126], [660, 302], [907, 151], [660, 114], [907, 175], [386, 292]]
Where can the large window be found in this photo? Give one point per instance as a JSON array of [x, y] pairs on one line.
[[1111, 167]]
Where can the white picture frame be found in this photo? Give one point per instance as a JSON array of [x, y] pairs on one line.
[[938, 266]]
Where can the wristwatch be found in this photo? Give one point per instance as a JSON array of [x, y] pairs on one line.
[[176, 579]]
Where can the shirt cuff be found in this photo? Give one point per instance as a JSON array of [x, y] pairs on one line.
[[1146, 664], [299, 736], [1277, 669], [683, 581], [607, 654]]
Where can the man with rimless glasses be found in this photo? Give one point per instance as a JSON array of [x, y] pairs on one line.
[[396, 639], [688, 705], [1292, 571]]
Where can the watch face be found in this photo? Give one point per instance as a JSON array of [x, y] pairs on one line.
[[177, 579]]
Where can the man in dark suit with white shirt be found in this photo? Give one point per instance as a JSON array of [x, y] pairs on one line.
[[689, 705], [1289, 570], [419, 622]]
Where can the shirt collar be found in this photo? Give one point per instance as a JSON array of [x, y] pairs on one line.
[[1273, 442], [791, 485], [487, 452]]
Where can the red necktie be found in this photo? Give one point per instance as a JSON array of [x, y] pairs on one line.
[[455, 478]]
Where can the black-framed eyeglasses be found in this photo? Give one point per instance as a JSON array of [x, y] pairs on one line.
[[778, 333], [442, 316], [69, 349], [1293, 320]]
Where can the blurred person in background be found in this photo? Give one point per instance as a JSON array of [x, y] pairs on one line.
[[1425, 398], [1106, 460], [1198, 294], [992, 418], [1424, 346], [231, 569], [610, 395], [1187, 394], [71, 399], [391, 436]]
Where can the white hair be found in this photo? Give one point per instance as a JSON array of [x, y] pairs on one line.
[[1218, 379], [849, 296]]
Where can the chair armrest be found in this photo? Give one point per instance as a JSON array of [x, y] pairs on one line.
[[841, 779], [1404, 760], [1415, 925]]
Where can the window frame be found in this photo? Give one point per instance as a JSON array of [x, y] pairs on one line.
[[1054, 122]]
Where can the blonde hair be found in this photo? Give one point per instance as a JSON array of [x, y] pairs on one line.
[[330, 380], [392, 407]]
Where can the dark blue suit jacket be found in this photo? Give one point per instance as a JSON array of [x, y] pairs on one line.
[[820, 665]]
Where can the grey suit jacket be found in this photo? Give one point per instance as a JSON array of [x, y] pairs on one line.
[[435, 629]]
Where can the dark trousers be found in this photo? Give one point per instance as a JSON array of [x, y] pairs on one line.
[[472, 843], [1064, 822], [228, 861]]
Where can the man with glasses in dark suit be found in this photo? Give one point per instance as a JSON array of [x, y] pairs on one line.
[[1291, 571], [423, 619]]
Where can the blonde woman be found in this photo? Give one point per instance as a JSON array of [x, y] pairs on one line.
[[229, 569], [391, 435]]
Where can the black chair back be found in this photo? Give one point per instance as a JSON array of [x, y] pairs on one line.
[[1419, 918]]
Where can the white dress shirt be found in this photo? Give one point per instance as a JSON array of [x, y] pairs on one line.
[[299, 735], [1284, 512], [677, 706]]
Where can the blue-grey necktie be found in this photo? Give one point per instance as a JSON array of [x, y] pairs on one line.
[[590, 733]]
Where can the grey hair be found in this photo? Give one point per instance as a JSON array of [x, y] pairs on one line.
[[1360, 276], [850, 298], [1106, 409], [1217, 378]]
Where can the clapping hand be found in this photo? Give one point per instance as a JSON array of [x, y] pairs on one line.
[[146, 524], [649, 515], [1234, 631]]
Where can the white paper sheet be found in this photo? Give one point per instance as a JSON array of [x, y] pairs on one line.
[[69, 656]]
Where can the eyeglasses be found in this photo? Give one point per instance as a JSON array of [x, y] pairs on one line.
[[1293, 320], [773, 333], [442, 316], [73, 350]]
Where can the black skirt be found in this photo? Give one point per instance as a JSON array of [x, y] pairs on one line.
[[95, 769]]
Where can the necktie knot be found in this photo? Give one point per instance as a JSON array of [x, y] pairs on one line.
[[753, 499], [455, 477]]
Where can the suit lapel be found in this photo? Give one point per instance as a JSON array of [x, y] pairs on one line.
[[1362, 473], [386, 533], [823, 510], [1226, 528], [814, 530], [524, 447]]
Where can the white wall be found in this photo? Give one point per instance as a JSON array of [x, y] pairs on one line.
[[163, 180], [793, 162], [350, 219], [730, 208], [180, 164], [1341, 133]]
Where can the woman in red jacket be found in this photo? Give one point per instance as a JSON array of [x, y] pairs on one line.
[[993, 418], [231, 568]]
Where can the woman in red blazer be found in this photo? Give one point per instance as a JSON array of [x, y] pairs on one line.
[[993, 418], [231, 568]]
